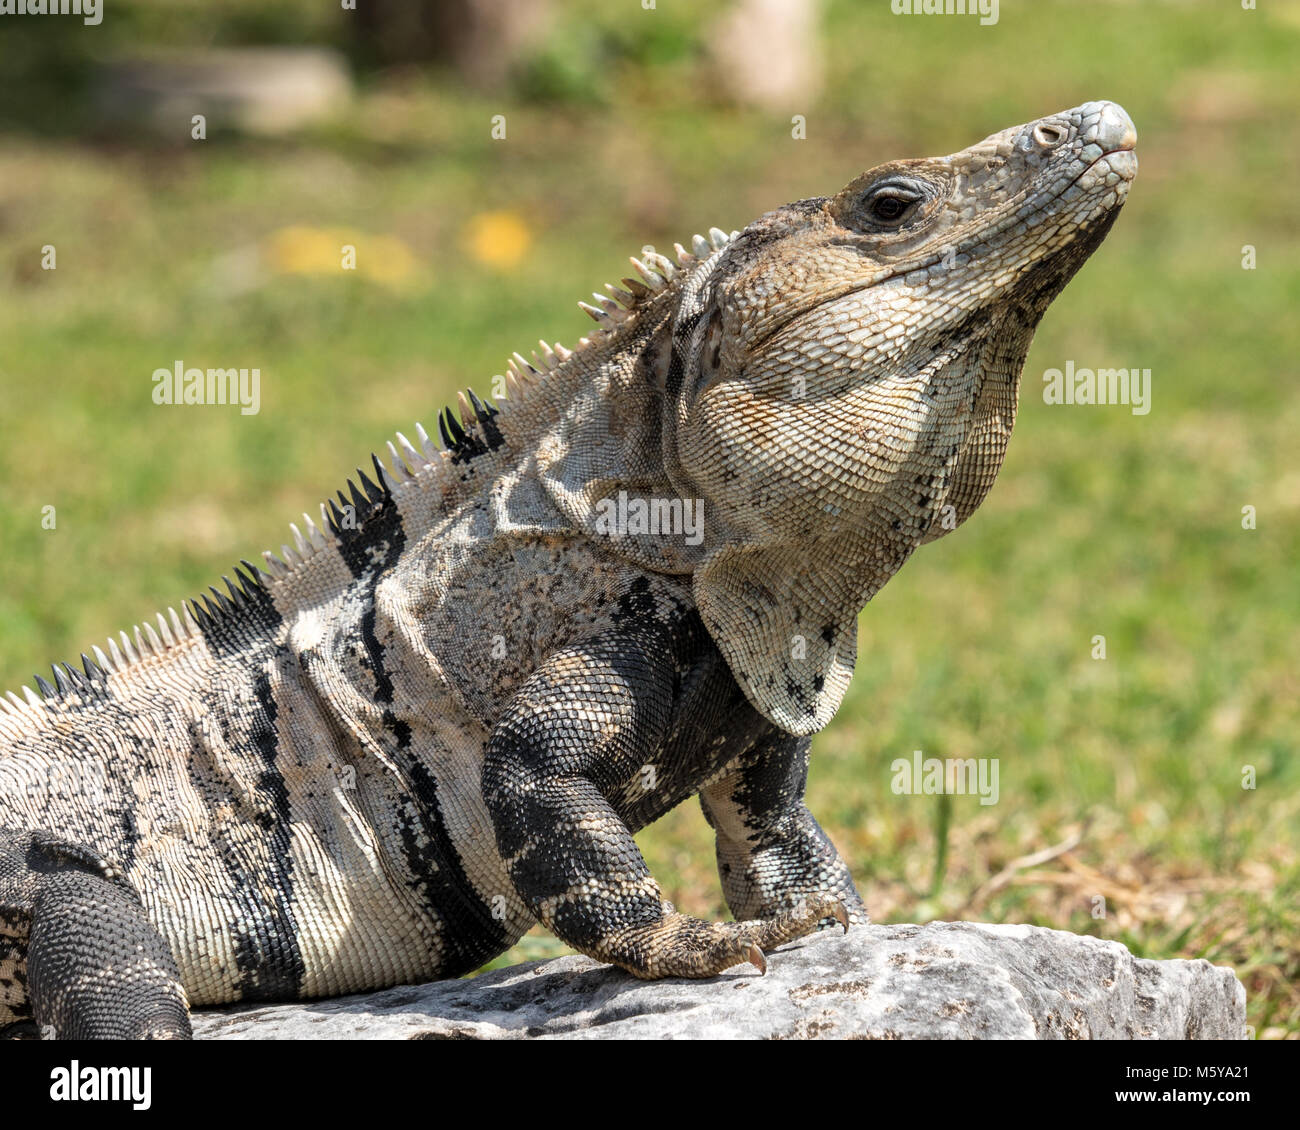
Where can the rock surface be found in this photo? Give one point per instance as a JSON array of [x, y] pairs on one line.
[[946, 980]]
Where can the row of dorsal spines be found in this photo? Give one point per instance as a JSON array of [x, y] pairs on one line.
[[149, 641], [407, 460], [656, 272]]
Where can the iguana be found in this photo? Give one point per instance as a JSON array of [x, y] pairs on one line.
[[440, 715]]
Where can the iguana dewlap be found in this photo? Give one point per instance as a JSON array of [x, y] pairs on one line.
[[635, 577]]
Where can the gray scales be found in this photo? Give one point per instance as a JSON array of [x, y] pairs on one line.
[[440, 716]]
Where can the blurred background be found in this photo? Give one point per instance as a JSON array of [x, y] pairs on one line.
[[493, 161]]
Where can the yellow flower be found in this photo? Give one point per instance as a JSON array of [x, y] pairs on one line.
[[333, 251], [498, 239]]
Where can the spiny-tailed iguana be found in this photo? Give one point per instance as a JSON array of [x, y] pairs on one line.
[[441, 715]]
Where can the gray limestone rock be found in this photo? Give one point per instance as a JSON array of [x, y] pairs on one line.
[[946, 980]]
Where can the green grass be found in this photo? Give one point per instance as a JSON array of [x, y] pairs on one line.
[[1102, 523]]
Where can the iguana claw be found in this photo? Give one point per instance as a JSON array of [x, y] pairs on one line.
[[842, 916]]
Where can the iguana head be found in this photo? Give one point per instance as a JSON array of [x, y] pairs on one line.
[[836, 385], [851, 368]]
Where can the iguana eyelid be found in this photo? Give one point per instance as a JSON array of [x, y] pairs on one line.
[[918, 193], [901, 189]]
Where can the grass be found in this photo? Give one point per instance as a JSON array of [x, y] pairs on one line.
[[1103, 523]]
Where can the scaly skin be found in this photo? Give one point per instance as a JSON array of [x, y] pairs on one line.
[[444, 713]]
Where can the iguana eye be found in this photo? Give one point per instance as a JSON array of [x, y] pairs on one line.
[[888, 207], [890, 204]]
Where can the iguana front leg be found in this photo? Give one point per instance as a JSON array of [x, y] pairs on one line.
[[585, 722], [94, 966], [772, 854]]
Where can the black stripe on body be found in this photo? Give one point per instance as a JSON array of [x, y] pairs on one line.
[[267, 952], [471, 934], [241, 630], [682, 334]]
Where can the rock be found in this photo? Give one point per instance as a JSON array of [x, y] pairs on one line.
[[947, 980]]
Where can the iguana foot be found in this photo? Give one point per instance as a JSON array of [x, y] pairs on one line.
[[680, 946]]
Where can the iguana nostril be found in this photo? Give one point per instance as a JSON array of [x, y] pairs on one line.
[[1048, 136]]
